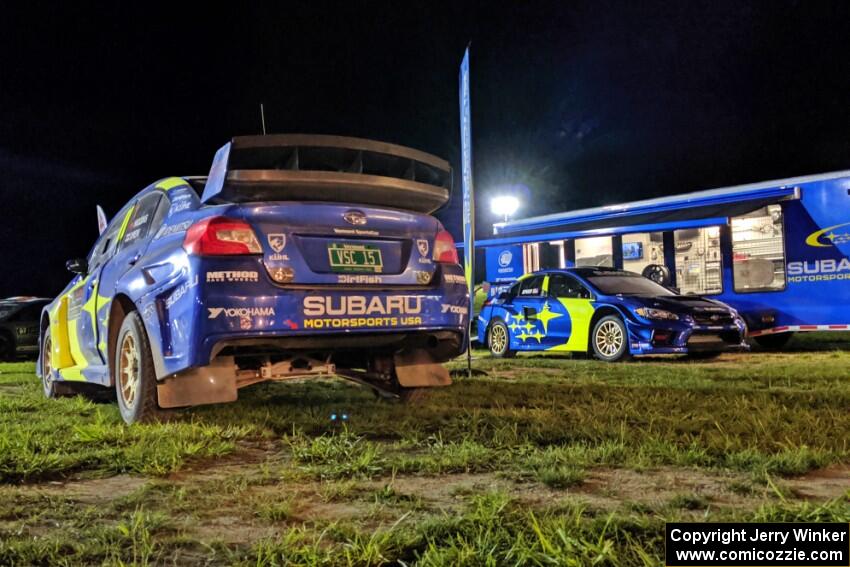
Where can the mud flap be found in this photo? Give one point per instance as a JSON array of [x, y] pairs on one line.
[[417, 369], [211, 384]]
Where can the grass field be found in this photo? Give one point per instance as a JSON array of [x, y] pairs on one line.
[[544, 461]]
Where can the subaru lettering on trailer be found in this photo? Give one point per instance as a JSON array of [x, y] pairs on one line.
[[328, 265]]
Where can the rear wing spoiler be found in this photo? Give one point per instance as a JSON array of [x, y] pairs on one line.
[[301, 167]]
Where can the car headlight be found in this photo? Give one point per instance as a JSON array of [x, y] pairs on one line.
[[650, 313]]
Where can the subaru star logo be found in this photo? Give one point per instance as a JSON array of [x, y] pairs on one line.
[[357, 218], [505, 258], [277, 241]]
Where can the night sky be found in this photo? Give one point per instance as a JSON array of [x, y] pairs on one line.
[[583, 103]]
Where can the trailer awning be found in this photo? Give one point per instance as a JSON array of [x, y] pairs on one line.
[[664, 213]]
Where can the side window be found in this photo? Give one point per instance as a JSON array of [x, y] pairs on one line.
[[758, 250], [160, 214], [106, 244], [566, 286], [531, 287], [141, 219]]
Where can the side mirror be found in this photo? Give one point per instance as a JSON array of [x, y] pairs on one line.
[[78, 266], [504, 296]]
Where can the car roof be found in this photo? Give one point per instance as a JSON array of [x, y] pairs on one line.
[[584, 271]]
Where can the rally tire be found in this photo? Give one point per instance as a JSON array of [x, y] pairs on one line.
[[51, 388], [774, 341], [133, 373], [609, 339], [499, 340]]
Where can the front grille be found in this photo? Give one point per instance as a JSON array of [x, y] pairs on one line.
[[709, 340], [713, 318]]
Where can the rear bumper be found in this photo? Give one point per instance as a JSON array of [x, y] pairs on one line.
[[442, 344], [196, 318]]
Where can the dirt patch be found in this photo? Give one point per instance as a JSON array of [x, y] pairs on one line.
[[824, 484], [246, 459], [602, 488], [92, 491]]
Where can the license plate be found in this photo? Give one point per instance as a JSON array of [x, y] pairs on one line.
[[355, 258]]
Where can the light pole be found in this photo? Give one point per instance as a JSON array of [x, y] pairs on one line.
[[504, 206]]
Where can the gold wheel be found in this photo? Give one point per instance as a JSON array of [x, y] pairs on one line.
[[498, 339], [128, 371]]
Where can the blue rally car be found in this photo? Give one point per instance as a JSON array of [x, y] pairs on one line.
[[297, 256], [612, 313]]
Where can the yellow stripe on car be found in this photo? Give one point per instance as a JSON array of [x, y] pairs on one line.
[[170, 183], [125, 222]]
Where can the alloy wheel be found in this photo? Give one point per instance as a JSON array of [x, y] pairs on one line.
[[128, 371], [609, 338], [498, 339]]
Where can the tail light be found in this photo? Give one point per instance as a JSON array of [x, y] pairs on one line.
[[219, 236], [444, 248]]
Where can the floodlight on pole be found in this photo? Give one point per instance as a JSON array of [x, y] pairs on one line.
[[504, 205]]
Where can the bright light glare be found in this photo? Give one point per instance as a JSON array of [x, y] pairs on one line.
[[504, 206]]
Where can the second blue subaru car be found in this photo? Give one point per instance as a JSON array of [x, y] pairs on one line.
[[613, 314]]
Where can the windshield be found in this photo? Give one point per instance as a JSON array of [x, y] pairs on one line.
[[620, 284]]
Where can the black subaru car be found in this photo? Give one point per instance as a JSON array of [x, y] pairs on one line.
[[19, 318]]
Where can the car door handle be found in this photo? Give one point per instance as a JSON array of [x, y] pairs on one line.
[[529, 312], [135, 259]]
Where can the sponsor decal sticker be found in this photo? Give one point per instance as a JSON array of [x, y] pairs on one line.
[[172, 229], [356, 232], [828, 236], [422, 277], [132, 235], [455, 279], [328, 312], [359, 279], [819, 270], [455, 309], [232, 277], [283, 275], [277, 241], [505, 258], [181, 206], [215, 312], [180, 292], [140, 221]]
